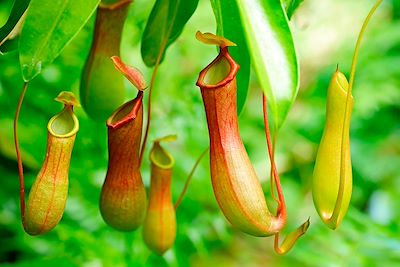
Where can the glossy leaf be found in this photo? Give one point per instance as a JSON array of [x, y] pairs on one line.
[[229, 26], [49, 27], [272, 52], [165, 24], [10, 30]]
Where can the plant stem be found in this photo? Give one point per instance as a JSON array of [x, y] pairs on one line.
[[146, 134], [272, 184], [152, 81], [358, 44], [153, 77], [18, 153], [281, 201], [189, 178]]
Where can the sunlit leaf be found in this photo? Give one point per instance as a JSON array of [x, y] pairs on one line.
[[49, 27], [273, 54], [165, 24], [229, 26]]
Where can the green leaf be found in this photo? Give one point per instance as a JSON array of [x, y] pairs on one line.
[[165, 24], [50, 25], [291, 6], [10, 30], [229, 26], [272, 52]]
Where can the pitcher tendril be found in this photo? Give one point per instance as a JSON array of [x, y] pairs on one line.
[[275, 176], [292, 237], [18, 153], [152, 81], [189, 178]]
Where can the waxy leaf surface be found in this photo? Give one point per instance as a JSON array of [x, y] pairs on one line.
[[272, 52]]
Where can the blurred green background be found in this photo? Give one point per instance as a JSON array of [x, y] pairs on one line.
[[325, 34]]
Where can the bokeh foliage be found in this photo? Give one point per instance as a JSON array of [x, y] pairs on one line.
[[370, 233]]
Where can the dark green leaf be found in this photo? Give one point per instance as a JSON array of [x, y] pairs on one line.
[[229, 26], [291, 6], [49, 27], [10, 30], [165, 24], [273, 54], [9, 46]]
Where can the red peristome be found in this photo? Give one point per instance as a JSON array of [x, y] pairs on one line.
[[234, 68], [136, 105]]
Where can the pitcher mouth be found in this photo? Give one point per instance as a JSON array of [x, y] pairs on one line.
[[125, 113], [64, 124], [219, 72], [160, 157]]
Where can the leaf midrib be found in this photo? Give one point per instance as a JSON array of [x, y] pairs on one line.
[[50, 33], [168, 32]]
